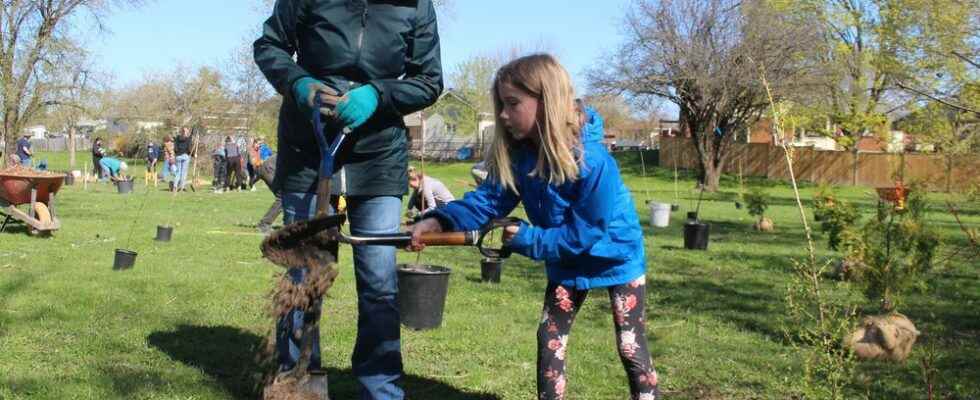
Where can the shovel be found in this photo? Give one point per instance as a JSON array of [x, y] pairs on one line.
[[293, 246]]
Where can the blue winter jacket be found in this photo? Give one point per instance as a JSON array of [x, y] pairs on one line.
[[587, 232]]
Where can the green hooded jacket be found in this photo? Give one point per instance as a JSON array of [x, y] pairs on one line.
[[392, 45]]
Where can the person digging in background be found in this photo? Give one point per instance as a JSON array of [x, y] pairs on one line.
[[383, 58], [24, 151], [152, 156], [169, 161], [220, 169], [427, 192], [233, 160], [243, 161], [113, 169], [182, 149], [258, 153], [98, 151], [585, 225]]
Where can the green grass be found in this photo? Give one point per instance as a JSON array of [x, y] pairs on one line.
[[187, 321]]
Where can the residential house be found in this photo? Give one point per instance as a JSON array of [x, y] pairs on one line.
[[36, 131]]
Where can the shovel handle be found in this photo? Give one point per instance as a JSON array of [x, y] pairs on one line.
[[449, 238], [405, 238]]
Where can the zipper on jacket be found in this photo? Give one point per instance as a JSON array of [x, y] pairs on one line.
[[360, 34]]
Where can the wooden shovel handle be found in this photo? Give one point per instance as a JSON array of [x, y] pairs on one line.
[[449, 238]]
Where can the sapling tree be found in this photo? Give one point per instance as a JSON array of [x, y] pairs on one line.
[[757, 200], [835, 215], [895, 249]]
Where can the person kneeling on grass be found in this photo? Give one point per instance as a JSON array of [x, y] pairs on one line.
[[113, 168], [586, 229], [428, 193]]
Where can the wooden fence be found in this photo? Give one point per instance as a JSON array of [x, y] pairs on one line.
[[833, 167]]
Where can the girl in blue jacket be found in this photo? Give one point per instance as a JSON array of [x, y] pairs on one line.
[[549, 156]]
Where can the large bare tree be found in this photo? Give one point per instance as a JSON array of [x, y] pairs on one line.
[[248, 89], [33, 35], [708, 58], [74, 92]]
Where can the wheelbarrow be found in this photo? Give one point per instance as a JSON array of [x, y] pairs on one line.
[[37, 190]]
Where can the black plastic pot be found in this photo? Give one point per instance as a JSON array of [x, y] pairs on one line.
[[490, 269], [674, 207], [163, 233], [69, 179], [124, 186], [696, 235], [124, 259], [422, 293], [738, 205]]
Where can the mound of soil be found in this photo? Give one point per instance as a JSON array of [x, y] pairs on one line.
[[21, 171]]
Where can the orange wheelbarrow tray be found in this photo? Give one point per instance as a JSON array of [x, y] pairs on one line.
[[37, 190]]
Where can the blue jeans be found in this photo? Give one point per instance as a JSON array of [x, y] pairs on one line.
[[377, 358], [183, 162], [168, 168], [25, 161]]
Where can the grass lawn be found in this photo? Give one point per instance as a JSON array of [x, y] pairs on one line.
[[188, 320]]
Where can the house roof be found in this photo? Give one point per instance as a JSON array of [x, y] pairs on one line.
[[415, 118]]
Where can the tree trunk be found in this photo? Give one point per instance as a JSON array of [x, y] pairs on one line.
[[10, 136], [712, 177], [10, 147]]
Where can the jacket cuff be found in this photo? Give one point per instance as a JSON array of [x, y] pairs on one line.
[[523, 239], [385, 105]]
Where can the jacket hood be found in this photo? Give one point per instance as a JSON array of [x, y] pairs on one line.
[[593, 130]]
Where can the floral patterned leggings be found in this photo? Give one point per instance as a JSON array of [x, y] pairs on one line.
[[560, 306]]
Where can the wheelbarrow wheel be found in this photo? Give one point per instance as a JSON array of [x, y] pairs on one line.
[[43, 215]]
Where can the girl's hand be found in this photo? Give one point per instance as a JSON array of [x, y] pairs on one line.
[[424, 226], [509, 232]]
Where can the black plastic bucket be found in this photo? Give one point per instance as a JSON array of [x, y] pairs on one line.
[[422, 293], [124, 259], [674, 207], [490, 269], [69, 179], [163, 233], [124, 186], [696, 235]]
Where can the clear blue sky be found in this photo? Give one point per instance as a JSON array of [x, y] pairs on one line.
[[200, 32]]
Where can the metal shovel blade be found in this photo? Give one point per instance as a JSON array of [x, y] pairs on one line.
[[303, 243]]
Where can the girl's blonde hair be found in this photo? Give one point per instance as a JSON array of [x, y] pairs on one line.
[[413, 173], [559, 154]]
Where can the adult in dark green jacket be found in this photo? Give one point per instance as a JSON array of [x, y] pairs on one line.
[[383, 58]]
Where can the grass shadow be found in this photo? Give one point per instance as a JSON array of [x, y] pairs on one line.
[[227, 354], [343, 385], [745, 303]]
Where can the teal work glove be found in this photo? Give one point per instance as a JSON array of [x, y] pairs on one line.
[[303, 91], [357, 106]]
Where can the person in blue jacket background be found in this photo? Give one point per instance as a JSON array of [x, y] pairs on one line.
[[113, 169], [547, 154]]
